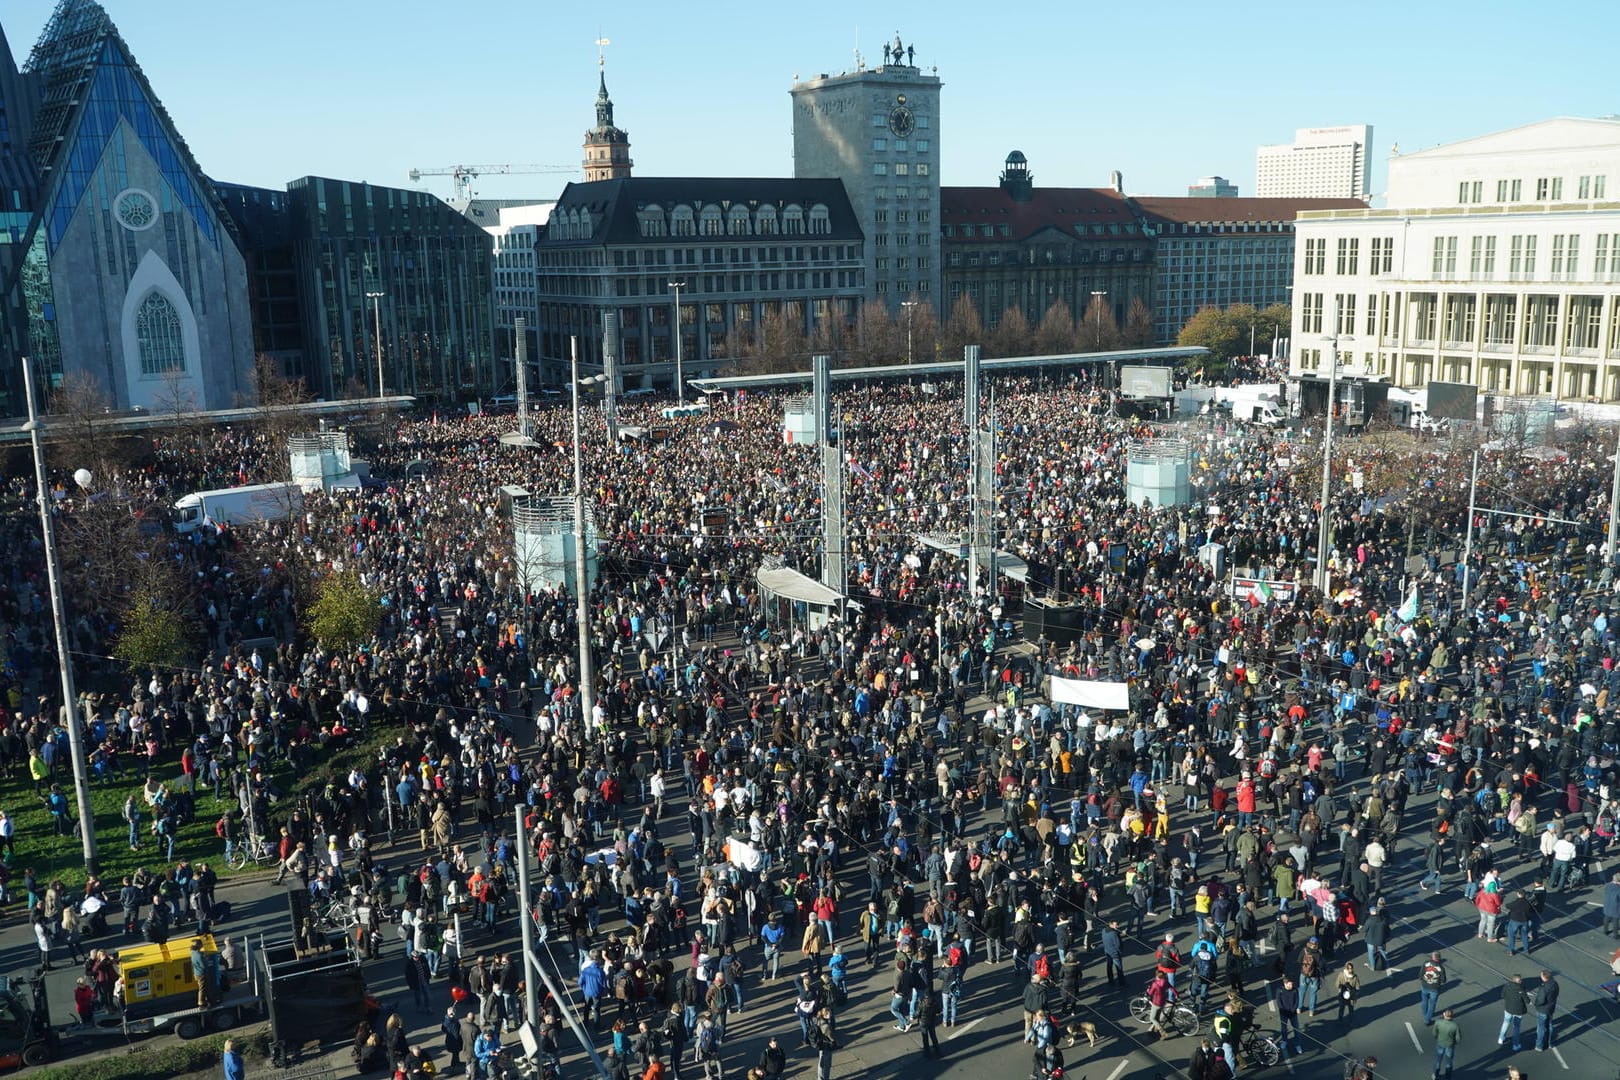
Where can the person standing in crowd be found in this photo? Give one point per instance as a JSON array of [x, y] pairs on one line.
[[1545, 999], [1515, 1004], [1431, 980], [1446, 1036]]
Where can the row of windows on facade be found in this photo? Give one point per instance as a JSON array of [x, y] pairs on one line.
[[901, 168], [1545, 189], [712, 220], [732, 256], [992, 290], [1455, 316], [904, 262], [882, 240], [881, 194], [967, 232], [1564, 262], [901, 146], [1051, 257], [1178, 228], [772, 281], [880, 216], [658, 317], [904, 287]]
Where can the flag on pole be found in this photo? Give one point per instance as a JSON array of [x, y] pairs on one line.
[[1409, 610]]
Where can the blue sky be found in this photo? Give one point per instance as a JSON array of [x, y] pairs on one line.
[[1166, 92]]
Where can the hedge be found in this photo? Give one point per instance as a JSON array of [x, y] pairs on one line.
[[161, 1060]]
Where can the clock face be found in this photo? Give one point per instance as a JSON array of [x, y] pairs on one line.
[[901, 122]]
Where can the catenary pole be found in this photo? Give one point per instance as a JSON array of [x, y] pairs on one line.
[[64, 656]]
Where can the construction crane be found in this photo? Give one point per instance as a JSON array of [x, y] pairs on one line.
[[462, 176]]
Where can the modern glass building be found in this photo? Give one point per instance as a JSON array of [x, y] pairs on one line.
[[395, 267]]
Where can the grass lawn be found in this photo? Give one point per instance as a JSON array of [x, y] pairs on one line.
[[53, 856]]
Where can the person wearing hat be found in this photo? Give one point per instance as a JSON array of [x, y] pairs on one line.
[[770, 935], [1312, 966]]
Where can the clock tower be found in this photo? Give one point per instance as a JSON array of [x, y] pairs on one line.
[[877, 129], [607, 147]]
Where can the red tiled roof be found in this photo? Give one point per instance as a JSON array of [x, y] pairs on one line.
[[1212, 211], [1054, 208]]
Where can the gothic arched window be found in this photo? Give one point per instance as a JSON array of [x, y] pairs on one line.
[[157, 330]]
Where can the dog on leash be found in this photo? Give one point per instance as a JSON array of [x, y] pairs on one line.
[[1075, 1030]]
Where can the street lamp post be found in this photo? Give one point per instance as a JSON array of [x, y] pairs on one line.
[[582, 608], [64, 658], [680, 379], [1322, 580], [376, 334], [908, 305]]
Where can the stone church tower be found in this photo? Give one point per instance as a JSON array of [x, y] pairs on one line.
[[607, 148]]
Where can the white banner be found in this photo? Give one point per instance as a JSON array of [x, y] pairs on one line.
[[1091, 695]]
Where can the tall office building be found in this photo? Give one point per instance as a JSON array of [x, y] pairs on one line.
[[1212, 187], [1321, 163], [877, 130]]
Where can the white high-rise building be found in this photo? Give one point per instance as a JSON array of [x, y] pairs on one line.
[[1495, 262], [1321, 163]]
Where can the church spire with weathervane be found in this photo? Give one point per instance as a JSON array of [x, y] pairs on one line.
[[607, 146]]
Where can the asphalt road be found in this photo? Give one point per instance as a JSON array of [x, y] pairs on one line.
[[1386, 1021]]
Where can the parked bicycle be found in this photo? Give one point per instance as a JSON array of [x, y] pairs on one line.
[[335, 912], [256, 848]]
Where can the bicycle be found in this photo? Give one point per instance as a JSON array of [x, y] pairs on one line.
[[336, 912], [1261, 1049], [1180, 1018], [257, 849]]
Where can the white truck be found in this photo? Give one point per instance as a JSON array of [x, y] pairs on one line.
[[1254, 403], [250, 505]]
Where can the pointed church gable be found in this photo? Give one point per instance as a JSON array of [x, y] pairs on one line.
[[117, 94]]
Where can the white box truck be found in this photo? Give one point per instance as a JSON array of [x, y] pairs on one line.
[[250, 505]]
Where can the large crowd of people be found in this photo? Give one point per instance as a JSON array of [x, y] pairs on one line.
[[894, 778]]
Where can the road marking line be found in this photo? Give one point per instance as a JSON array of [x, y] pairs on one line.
[[1416, 1045], [1560, 1057], [962, 1029], [1121, 1068]]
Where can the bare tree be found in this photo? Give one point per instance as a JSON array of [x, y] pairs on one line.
[[1056, 334], [1011, 336], [1138, 331], [961, 329], [1098, 331]]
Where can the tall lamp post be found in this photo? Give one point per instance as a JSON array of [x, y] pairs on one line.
[[582, 607], [64, 658], [680, 378], [376, 334], [908, 305], [1322, 577]]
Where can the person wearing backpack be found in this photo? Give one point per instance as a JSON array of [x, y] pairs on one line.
[[1430, 983], [706, 1048]]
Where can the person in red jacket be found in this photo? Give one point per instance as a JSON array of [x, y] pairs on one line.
[[1245, 802]]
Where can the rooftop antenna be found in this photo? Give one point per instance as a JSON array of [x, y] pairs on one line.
[[860, 64]]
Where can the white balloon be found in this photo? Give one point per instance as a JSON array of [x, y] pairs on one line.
[[82, 477]]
